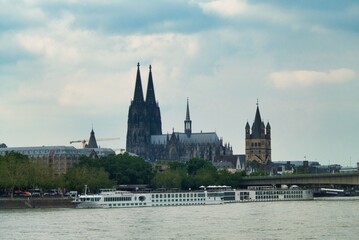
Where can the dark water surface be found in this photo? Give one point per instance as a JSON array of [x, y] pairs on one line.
[[318, 219]]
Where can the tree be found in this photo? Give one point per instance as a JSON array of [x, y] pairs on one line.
[[196, 164], [95, 178], [38, 175], [168, 179], [126, 169], [13, 168]]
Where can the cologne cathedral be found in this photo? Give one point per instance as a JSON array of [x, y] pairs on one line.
[[145, 138]]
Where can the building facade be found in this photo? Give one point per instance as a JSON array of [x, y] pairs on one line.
[[145, 138], [258, 141], [59, 158]]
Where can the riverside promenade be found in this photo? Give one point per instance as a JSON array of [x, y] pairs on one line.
[[23, 203]]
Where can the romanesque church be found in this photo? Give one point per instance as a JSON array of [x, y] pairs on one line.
[[144, 131]]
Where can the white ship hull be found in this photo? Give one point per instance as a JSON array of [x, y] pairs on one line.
[[122, 199]]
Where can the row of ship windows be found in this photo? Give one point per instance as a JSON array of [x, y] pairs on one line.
[[177, 204], [126, 204], [278, 192], [90, 199], [180, 200], [117, 199], [277, 197], [176, 195]]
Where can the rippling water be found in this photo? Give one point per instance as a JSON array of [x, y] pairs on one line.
[[318, 219]]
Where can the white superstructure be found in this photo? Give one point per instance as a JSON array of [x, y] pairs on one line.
[[110, 198], [265, 194]]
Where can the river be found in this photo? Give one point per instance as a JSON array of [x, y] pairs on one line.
[[319, 219]]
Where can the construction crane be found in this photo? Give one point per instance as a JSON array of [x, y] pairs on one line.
[[98, 139], [79, 141]]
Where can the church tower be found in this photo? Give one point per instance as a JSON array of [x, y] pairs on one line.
[[144, 118], [258, 142], [188, 122]]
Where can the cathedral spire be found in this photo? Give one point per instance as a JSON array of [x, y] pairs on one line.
[[188, 122], [138, 96], [150, 95], [187, 113]]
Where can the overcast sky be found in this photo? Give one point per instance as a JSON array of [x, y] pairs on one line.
[[67, 65]]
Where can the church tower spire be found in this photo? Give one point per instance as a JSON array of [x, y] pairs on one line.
[[153, 110], [138, 96], [150, 95], [258, 125], [92, 141], [188, 122]]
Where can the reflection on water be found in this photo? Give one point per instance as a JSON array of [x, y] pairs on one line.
[[318, 219]]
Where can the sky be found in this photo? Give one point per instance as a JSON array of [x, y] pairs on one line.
[[69, 65]]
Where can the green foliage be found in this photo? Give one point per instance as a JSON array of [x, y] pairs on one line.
[[230, 179], [17, 171], [299, 170], [168, 179], [95, 178], [123, 168], [196, 164], [194, 173], [126, 169], [13, 170]]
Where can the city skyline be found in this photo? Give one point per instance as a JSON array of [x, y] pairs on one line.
[[68, 65]]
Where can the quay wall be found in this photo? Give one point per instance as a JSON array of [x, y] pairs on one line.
[[23, 203]]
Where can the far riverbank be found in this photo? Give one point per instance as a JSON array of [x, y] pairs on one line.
[[23, 203]]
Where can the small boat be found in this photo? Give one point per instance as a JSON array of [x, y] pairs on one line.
[[329, 192]]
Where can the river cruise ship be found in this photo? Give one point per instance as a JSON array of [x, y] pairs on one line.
[[111, 198], [267, 193]]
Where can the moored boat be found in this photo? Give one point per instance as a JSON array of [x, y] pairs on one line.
[[112, 198]]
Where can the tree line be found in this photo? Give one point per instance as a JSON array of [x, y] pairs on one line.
[[17, 171]]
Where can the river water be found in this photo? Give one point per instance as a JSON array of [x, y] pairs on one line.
[[319, 219]]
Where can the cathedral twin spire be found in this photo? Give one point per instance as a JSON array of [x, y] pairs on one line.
[[150, 95]]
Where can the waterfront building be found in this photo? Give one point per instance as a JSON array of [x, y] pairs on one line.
[[59, 158], [233, 163], [258, 141], [145, 138]]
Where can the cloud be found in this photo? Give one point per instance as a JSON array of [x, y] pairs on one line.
[[226, 8], [305, 78]]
